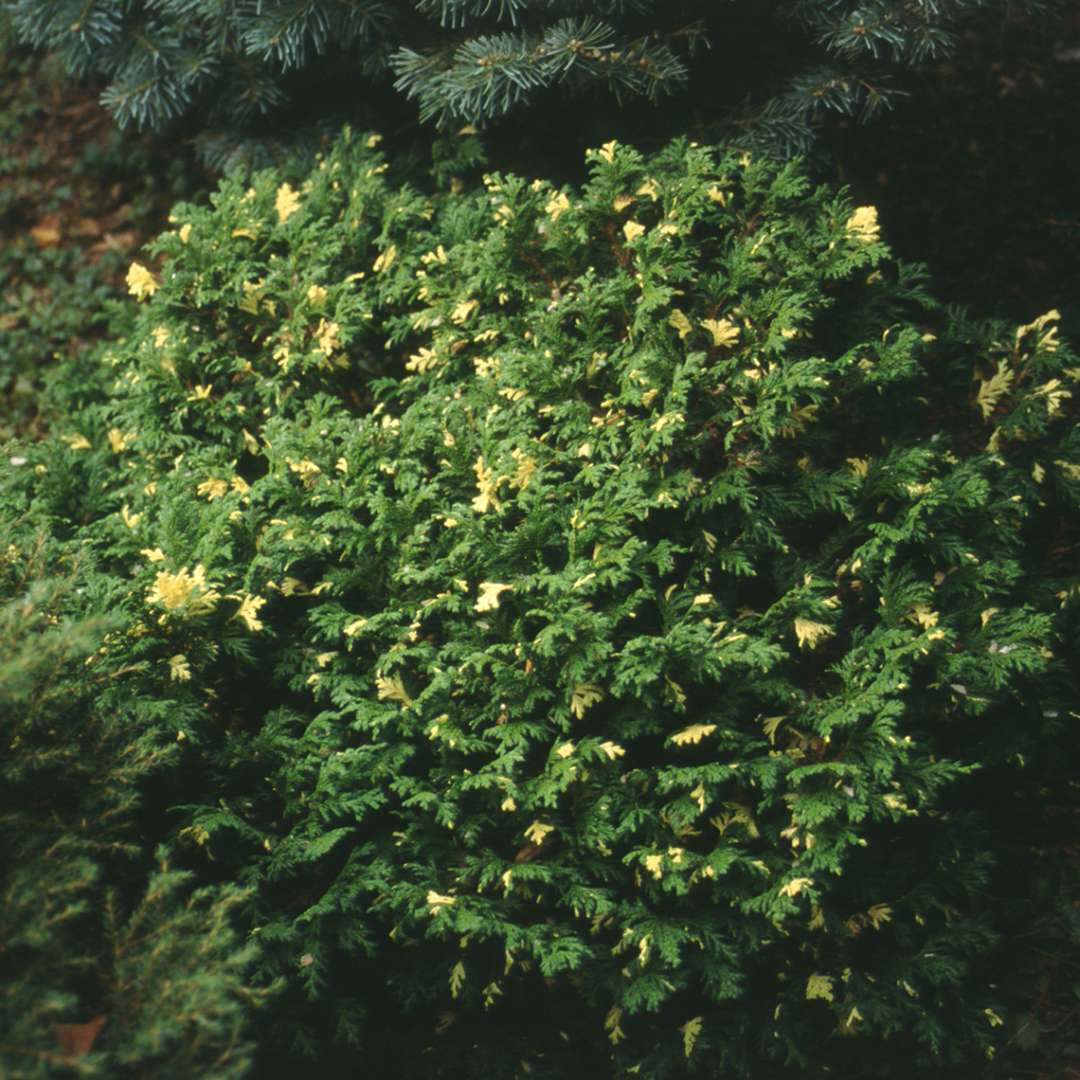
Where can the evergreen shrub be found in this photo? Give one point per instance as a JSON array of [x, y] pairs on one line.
[[608, 631], [111, 963]]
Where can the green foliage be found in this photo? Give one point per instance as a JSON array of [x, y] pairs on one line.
[[610, 620], [110, 965], [244, 70]]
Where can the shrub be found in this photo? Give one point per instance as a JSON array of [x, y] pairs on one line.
[[607, 630], [110, 963], [248, 69]]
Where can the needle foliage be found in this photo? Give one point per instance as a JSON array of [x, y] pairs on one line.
[[239, 75]]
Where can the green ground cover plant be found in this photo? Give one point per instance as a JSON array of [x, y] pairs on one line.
[[626, 629]]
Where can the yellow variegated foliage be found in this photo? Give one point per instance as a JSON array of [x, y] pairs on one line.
[[795, 886], [436, 901], [879, 914], [140, 282], [922, 615], [583, 696], [736, 814], [247, 613], [852, 1018], [863, 224], [422, 361], [457, 979], [462, 311], [1047, 342], [286, 203], [214, 488], [392, 689], [1054, 394], [487, 486], [993, 389], [179, 668], [118, 441], [723, 331], [537, 831], [556, 206], [810, 633], [690, 1032], [384, 259], [692, 734], [612, 1026], [770, 725], [678, 321], [172, 591], [819, 986], [490, 591]]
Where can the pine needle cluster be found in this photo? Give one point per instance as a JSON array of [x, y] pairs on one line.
[[236, 72]]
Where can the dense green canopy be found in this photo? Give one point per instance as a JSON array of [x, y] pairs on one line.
[[599, 627]]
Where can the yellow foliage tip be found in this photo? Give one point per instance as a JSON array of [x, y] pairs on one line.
[[583, 696], [537, 832], [693, 734], [140, 282], [286, 203], [248, 611], [993, 389], [690, 1032], [490, 591], [795, 886], [863, 224], [809, 633], [607, 151], [613, 1027], [384, 260], [436, 902], [392, 689]]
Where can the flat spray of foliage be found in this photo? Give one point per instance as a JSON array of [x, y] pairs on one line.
[[231, 67], [599, 626]]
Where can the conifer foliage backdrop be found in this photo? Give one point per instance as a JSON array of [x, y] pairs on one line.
[[242, 68]]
